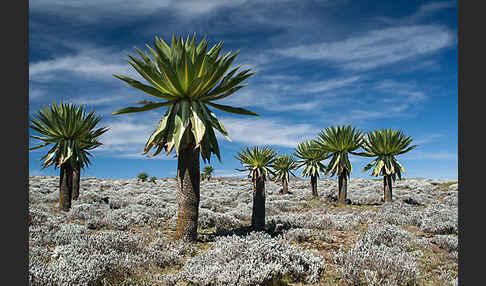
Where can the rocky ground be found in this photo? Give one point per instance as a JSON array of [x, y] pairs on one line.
[[120, 232]]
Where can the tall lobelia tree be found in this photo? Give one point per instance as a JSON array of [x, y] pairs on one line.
[[311, 159], [189, 78], [385, 144], [257, 161], [283, 166], [339, 142], [73, 133]]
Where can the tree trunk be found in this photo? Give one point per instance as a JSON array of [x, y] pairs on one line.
[[285, 187], [387, 188], [343, 188], [188, 180], [65, 186], [76, 179], [258, 214], [314, 186]]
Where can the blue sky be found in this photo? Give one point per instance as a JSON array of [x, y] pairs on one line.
[[371, 64]]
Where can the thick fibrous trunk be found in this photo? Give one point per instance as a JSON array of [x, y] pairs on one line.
[[65, 186], [188, 180], [343, 188], [285, 187], [258, 214], [76, 179], [387, 188], [314, 186]]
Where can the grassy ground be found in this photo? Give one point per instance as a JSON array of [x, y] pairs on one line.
[[433, 262]]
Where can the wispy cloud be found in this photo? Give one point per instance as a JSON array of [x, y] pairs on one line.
[[97, 63], [427, 139], [327, 85], [127, 137], [376, 48], [285, 93], [268, 131], [101, 100], [397, 90], [397, 99], [36, 94], [425, 10], [305, 86], [94, 11]]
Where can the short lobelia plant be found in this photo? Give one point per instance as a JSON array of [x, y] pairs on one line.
[[73, 133], [152, 179], [142, 176], [339, 142], [311, 159], [385, 144], [189, 78], [207, 172], [283, 166], [257, 161]]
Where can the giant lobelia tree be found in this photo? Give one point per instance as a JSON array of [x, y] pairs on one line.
[[283, 166], [339, 142], [73, 133], [385, 144], [311, 158], [207, 172], [189, 78], [257, 162]]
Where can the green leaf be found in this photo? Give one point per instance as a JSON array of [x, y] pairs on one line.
[[161, 127], [40, 146], [143, 108], [185, 112], [178, 131], [236, 110], [408, 149], [160, 91], [198, 126]]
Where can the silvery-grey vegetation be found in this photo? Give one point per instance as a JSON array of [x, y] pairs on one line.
[[119, 233]]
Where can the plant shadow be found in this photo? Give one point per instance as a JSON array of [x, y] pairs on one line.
[[270, 228]]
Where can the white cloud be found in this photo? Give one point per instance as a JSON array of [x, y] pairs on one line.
[[35, 94], [305, 106], [424, 11], [327, 85], [357, 115], [406, 92], [435, 6], [278, 93], [376, 48], [290, 83], [90, 63], [97, 10], [427, 139], [127, 137], [270, 101], [256, 131], [101, 100]]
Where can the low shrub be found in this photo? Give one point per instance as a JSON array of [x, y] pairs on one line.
[[254, 259]]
